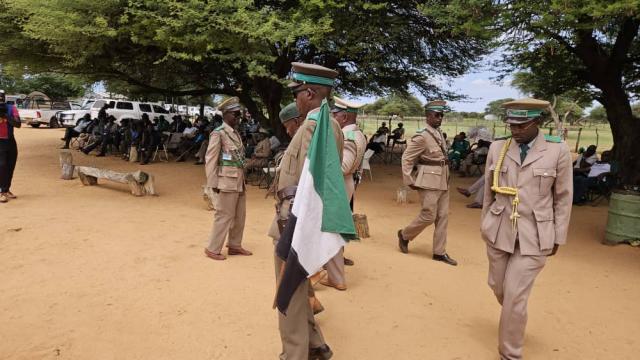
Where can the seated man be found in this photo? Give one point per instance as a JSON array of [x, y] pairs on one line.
[[459, 149], [582, 184], [161, 124], [260, 157], [148, 142], [396, 134], [383, 129], [477, 156], [377, 141], [81, 126], [583, 163], [104, 136]]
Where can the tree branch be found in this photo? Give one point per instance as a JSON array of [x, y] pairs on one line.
[[628, 32]]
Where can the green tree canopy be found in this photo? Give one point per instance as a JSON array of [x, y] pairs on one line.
[[54, 85], [399, 104], [590, 48], [495, 107], [245, 48]]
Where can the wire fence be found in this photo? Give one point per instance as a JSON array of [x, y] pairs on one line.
[[577, 136]]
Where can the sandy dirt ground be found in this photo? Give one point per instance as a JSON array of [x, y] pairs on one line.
[[95, 273]]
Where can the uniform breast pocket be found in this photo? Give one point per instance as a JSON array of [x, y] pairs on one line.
[[503, 173], [545, 178], [228, 178], [290, 163], [429, 177]]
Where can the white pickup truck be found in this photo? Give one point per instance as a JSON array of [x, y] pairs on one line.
[[120, 109], [39, 111]]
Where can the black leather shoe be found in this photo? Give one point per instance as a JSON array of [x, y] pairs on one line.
[[348, 262], [320, 353], [402, 243], [445, 259]]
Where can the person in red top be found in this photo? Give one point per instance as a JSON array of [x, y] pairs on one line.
[[8, 148]]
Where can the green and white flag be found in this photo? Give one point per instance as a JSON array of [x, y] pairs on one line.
[[320, 221]]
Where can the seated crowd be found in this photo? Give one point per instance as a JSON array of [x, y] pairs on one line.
[[139, 139]]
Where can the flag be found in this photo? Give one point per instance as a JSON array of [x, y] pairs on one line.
[[320, 220]]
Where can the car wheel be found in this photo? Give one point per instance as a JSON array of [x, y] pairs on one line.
[[53, 123], [35, 125]]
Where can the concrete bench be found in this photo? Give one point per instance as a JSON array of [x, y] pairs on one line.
[[140, 183]]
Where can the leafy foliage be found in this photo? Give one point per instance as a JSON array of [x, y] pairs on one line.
[[495, 107], [54, 85], [245, 48], [587, 48], [403, 105]]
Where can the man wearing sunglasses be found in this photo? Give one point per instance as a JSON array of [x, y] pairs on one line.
[[224, 166], [300, 334], [425, 168], [525, 214]]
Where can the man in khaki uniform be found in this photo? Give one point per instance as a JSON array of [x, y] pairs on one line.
[[261, 153], [300, 334], [225, 175], [425, 168], [525, 214], [355, 144]]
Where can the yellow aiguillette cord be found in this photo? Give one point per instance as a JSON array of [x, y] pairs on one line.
[[495, 187]]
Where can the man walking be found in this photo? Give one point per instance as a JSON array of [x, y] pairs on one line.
[[525, 214], [301, 336], [427, 152], [9, 119], [355, 144], [225, 175]]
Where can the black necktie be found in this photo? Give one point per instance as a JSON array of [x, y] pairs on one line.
[[523, 152]]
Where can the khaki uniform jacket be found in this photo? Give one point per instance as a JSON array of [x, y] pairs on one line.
[[355, 144], [224, 160], [426, 146], [293, 159], [263, 149], [545, 188]]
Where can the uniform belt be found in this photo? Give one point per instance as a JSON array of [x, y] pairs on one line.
[[288, 192], [237, 164], [443, 162]]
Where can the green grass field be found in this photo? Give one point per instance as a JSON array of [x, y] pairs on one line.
[[599, 134]]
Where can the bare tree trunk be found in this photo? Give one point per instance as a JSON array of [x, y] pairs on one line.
[[626, 134]]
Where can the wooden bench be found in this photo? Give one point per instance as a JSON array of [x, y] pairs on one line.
[[140, 183]]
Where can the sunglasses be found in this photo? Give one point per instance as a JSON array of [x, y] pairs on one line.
[[295, 92]]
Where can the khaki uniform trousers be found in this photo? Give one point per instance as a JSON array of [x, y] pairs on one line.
[[230, 211], [335, 266], [297, 334], [478, 188], [435, 209], [511, 278]]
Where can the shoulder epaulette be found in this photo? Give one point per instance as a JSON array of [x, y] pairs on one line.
[[420, 131], [553, 139], [350, 135]]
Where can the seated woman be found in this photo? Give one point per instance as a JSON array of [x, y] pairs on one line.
[[396, 134], [582, 184], [459, 150]]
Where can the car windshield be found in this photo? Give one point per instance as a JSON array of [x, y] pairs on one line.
[[87, 106]]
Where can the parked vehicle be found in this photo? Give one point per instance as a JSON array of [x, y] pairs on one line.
[[38, 109], [120, 109]]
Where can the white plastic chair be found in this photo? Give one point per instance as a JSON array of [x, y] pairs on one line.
[[365, 163]]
